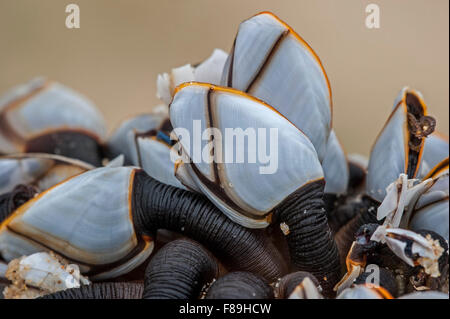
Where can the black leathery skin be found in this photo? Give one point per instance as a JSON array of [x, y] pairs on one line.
[[286, 285], [73, 144], [179, 271], [12, 200], [365, 213], [386, 280], [160, 206], [105, 290], [311, 244], [240, 285]]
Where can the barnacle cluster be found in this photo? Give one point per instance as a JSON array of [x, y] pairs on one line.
[[143, 214]]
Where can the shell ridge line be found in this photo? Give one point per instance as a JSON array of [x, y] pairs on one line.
[[267, 59]]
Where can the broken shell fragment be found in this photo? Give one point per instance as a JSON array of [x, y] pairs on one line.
[[44, 273], [208, 71], [412, 248]]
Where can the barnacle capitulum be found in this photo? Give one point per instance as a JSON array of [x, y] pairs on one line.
[[47, 117], [87, 219], [267, 52], [156, 157], [208, 71], [40, 274], [399, 146], [240, 285], [291, 192], [122, 140]]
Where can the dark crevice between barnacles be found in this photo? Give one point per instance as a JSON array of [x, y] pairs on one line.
[[76, 144], [336, 217], [383, 278], [302, 217], [419, 127], [287, 284], [9, 202], [179, 271], [240, 285], [160, 206], [106, 290], [365, 212], [357, 179]]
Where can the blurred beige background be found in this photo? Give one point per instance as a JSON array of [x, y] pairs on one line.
[[122, 45]]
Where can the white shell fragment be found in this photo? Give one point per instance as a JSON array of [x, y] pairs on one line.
[[44, 272], [270, 61], [406, 244], [87, 219], [335, 167], [230, 182], [402, 194], [40, 106], [209, 71]]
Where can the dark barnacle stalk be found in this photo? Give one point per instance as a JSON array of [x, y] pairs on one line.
[[365, 212], [104, 290], [160, 206], [309, 237], [240, 285], [179, 271]]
